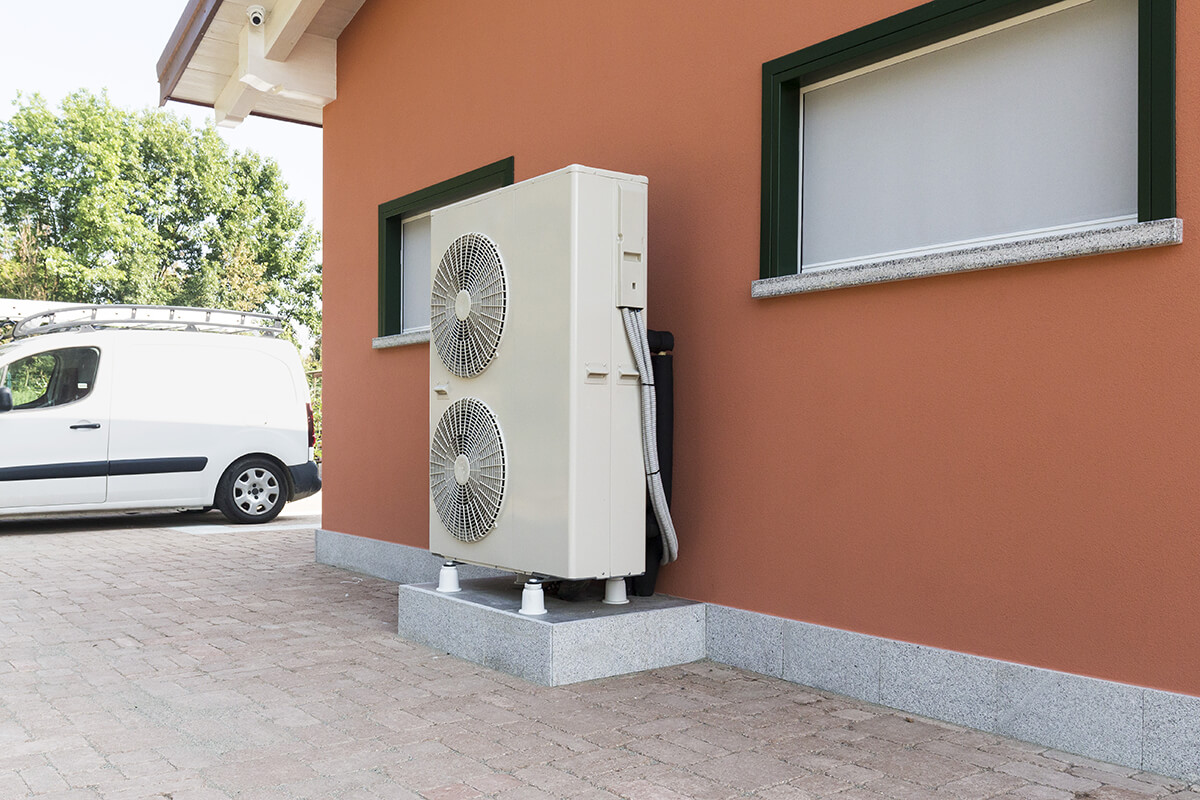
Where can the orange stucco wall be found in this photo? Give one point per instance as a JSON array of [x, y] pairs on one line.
[[1002, 463]]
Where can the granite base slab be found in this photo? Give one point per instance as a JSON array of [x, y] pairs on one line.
[[574, 641]]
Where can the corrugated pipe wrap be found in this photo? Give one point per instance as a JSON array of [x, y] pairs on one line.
[[635, 330]]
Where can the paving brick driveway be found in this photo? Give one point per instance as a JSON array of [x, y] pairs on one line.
[[181, 659]]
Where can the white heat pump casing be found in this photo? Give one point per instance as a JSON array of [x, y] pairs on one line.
[[563, 383]]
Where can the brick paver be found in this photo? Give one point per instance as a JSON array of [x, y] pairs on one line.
[[152, 663]]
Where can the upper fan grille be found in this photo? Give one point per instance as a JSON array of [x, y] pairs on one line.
[[467, 469], [467, 304]]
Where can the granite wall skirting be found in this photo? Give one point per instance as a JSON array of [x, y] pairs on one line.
[[1133, 726], [393, 562]]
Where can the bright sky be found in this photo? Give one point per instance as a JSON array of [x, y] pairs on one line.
[[58, 46]]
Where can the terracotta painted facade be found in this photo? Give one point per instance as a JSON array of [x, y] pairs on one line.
[[1002, 463]]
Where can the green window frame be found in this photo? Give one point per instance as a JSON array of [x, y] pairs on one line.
[[784, 77], [393, 213]]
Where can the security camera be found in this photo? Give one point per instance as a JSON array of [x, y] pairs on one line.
[[257, 15]]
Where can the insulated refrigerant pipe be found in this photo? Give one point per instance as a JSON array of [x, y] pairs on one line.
[[635, 330]]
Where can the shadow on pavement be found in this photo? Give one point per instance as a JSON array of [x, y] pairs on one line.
[[300, 514]]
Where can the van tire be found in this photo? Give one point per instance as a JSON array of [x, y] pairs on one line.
[[253, 490]]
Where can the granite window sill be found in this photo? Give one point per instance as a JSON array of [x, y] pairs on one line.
[[1133, 236], [400, 339]]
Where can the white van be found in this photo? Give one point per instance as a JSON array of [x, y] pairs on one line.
[[153, 407]]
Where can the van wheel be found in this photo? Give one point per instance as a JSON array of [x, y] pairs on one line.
[[252, 490]]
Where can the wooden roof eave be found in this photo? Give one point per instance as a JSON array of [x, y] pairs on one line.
[[189, 31]]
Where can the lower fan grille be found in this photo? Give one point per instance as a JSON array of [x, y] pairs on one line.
[[467, 469]]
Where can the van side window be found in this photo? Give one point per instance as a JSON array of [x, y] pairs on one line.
[[53, 378]]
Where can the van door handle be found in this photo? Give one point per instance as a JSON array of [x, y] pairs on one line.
[[90, 426]]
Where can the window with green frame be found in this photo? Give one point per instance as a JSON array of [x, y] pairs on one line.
[[962, 122], [403, 231]]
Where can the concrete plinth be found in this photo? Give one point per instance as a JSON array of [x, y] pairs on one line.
[[574, 641]]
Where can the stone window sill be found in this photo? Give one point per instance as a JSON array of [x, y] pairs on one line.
[[400, 339], [1133, 236]]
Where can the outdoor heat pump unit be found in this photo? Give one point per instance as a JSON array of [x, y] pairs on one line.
[[536, 459]]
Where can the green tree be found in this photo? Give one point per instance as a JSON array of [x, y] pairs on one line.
[[103, 205]]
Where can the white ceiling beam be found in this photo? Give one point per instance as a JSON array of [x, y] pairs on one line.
[[309, 75], [234, 102], [286, 23]]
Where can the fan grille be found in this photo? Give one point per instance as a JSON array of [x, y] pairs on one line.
[[467, 469], [468, 303]]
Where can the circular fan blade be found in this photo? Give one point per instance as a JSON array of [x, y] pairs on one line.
[[467, 469], [467, 304]]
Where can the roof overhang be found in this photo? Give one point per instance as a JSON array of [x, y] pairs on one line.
[[284, 67]]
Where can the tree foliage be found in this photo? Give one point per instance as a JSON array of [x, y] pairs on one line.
[[104, 205]]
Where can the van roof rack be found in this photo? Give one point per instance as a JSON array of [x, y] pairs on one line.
[[209, 320]]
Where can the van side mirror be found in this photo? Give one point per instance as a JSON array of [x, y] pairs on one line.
[[5, 398]]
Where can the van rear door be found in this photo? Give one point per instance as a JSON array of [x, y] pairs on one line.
[[54, 442]]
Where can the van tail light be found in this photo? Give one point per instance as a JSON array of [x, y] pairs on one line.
[[312, 429]]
